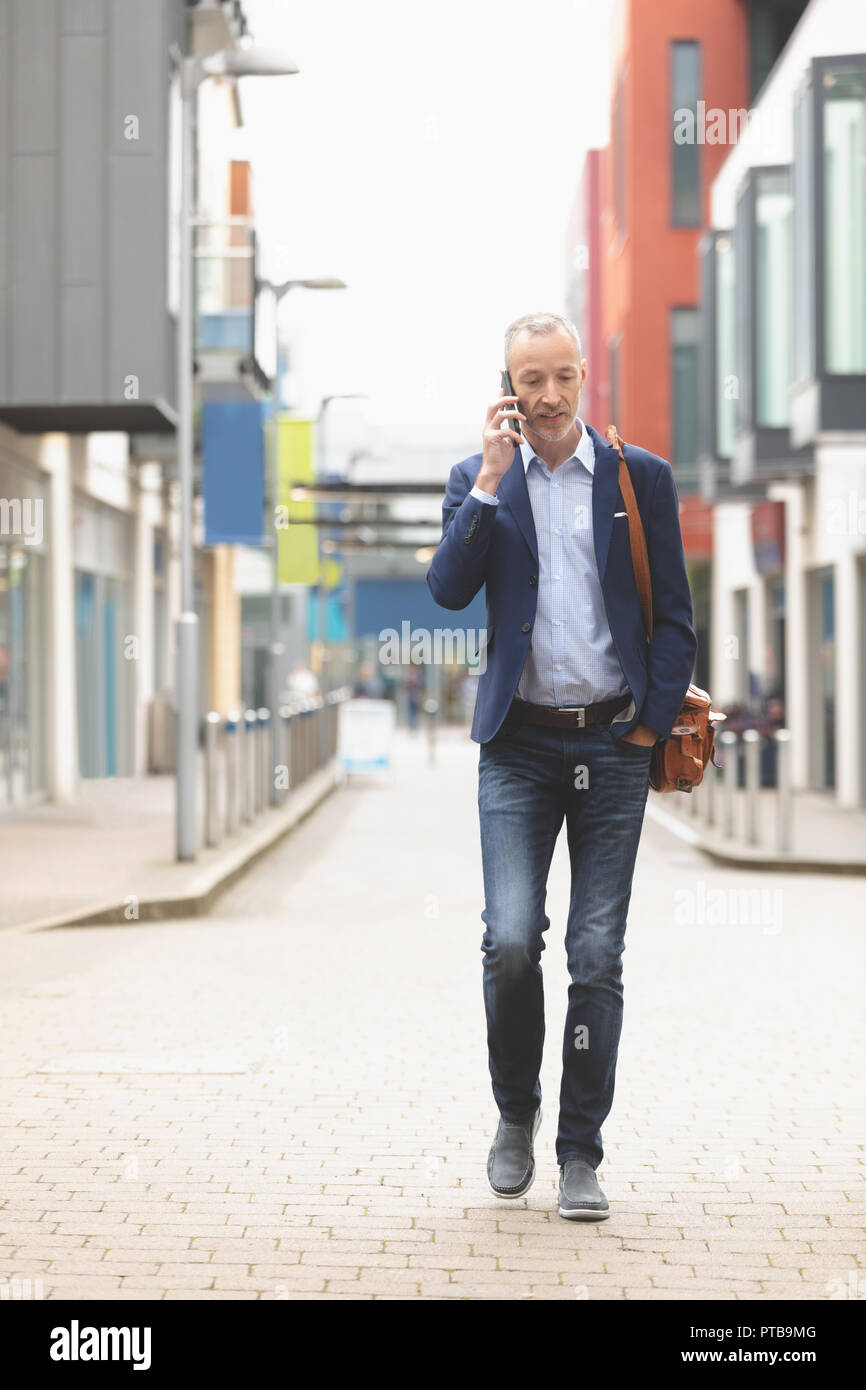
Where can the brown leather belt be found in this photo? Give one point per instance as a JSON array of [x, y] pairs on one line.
[[521, 712]]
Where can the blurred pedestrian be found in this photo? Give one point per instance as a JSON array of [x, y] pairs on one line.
[[415, 695], [369, 684]]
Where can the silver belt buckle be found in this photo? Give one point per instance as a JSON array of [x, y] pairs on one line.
[[579, 711]]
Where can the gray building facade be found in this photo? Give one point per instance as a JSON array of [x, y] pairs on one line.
[[86, 333]]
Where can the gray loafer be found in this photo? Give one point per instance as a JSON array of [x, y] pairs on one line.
[[511, 1162], [580, 1197]]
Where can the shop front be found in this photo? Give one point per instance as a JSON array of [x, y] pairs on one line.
[[23, 654]]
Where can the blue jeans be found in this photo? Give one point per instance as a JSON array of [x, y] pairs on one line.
[[530, 778]]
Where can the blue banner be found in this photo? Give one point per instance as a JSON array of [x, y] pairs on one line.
[[233, 471]]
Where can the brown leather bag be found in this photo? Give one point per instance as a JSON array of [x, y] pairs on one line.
[[678, 761]]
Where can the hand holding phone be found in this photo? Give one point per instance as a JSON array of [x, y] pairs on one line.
[[509, 391], [501, 433]]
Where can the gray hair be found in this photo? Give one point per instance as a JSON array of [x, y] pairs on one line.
[[539, 323]]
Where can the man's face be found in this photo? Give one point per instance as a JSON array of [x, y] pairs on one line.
[[547, 374]]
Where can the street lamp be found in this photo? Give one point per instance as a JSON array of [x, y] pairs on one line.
[[321, 606], [254, 61], [276, 650]]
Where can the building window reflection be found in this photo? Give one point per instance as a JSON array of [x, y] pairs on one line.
[[845, 219], [774, 206]]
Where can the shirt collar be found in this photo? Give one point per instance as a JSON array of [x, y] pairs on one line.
[[584, 453]]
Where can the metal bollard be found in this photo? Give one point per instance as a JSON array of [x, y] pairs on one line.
[[728, 741], [248, 763], [312, 736], [285, 747], [324, 716], [784, 797], [711, 785], [303, 739], [300, 744], [752, 742], [321, 723], [431, 709], [333, 706], [211, 778], [265, 773], [321, 744], [232, 740], [294, 743]]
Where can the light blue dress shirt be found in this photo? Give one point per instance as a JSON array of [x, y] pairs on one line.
[[572, 659]]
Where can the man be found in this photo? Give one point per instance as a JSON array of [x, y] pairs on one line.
[[571, 701]]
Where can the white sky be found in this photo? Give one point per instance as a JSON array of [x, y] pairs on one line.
[[429, 156]]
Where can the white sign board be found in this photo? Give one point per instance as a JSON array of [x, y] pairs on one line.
[[366, 732]]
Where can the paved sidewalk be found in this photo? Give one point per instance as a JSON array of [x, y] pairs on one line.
[[290, 1098], [111, 856], [826, 838]]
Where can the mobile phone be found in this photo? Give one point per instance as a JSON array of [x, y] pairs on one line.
[[513, 420]]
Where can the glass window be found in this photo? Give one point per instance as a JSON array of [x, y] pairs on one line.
[[773, 303], [845, 220], [727, 379], [89, 673], [22, 603], [104, 675], [804, 236], [685, 64], [775, 679], [684, 386], [742, 633], [744, 307], [824, 677]]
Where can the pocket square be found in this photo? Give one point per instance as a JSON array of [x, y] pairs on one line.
[[616, 514]]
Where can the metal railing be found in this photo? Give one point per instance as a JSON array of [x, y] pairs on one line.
[[729, 799], [240, 784]]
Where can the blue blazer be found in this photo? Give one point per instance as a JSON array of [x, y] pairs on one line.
[[497, 547]]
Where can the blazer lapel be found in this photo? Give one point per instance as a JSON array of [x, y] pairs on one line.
[[605, 491], [514, 491]]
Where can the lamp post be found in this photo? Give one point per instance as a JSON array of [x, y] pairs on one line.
[[253, 61], [276, 650], [321, 606]]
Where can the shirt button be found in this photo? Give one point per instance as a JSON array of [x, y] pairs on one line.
[[556, 622], [526, 627], [559, 668], [557, 576]]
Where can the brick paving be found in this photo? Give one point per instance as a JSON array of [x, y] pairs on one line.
[[290, 1098]]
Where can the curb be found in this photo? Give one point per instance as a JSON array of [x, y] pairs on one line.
[[209, 882], [742, 857]]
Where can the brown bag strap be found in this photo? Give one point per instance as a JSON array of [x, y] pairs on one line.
[[636, 536]]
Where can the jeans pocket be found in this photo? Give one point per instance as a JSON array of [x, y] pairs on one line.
[[635, 749]]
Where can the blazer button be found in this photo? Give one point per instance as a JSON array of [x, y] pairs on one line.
[[533, 579], [527, 627]]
